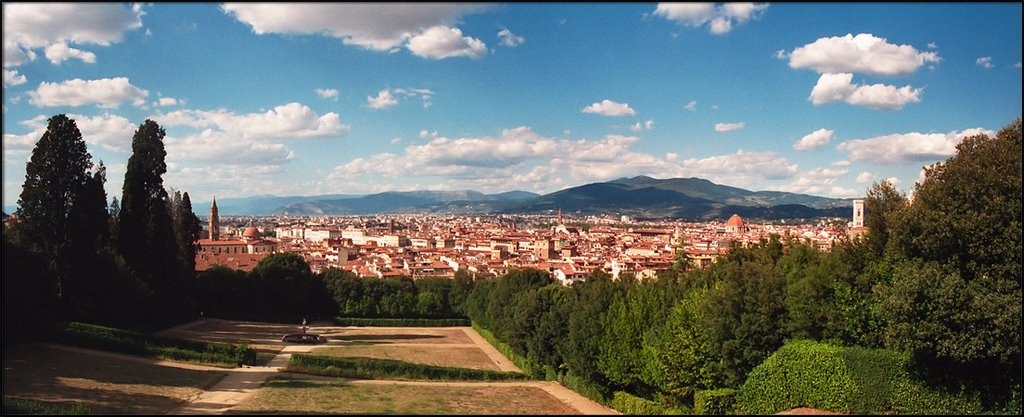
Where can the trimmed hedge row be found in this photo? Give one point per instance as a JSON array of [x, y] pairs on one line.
[[717, 402], [385, 368], [627, 403], [23, 406], [527, 366], [844, 379], [400, 322], [134, 343]]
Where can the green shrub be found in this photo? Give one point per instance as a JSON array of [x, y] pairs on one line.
[[386, 368], [24, 406], [719, 401], [134, 343], [400, 322], [585, 387], [627, 403], [851, 379]]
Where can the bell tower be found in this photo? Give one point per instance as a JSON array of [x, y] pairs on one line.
[[214, 221]]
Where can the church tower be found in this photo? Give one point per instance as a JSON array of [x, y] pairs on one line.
[[214, 221], [559, 215]]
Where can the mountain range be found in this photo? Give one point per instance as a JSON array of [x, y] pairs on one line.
[[641, 197]]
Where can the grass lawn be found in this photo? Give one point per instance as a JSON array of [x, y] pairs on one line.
[[308, 396], [105, 385], [263, 337], [470, 357], [403, 335]]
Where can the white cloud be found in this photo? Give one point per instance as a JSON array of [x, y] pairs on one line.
[[865, 177], [29, 26], [379, 27], [395, 140], [441, 42], [691, 106], [843, 192], [814, 140], [841, 163], [426, 95], [719, 18], [815, 181], [223, 148], [903, 148], [11, 77], [726, 127], [383, 100], [292, 120], [984, 62], [327, 93], [60, 52], [610, 108], [109, 131], [106, 93], [933, 45], [166, 101], [781, 54], [520, 156], [510, 39], [864, 53], [839, 87], [427, 134], [640, 127]]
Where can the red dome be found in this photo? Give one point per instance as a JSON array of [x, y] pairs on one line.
[[251, 232], [735, 221]]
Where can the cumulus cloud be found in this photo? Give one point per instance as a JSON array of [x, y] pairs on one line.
[[328, 93], [520, 156], [864, 53], [814, 140], [640, 127], [383, 100], [815, 181], [424, 28], [108, 131], [839, 87], [903, 148], [292, 120], [610, 108], [841, 163], [726, 127], [11, 78], [441, 42], [509, 39], [719, 18], [60, 52], [165, 102], [984, 62], [52, 26], [865, 177], [106, 93], [691, 106]]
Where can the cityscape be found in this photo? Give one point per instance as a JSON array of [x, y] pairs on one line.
[[523, 208]]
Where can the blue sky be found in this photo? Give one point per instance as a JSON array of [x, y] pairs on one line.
[[304, 99]]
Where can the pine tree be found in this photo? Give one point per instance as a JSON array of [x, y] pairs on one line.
[[187, 229]]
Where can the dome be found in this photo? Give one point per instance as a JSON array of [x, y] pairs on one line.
[[251, 232], [735, 221]]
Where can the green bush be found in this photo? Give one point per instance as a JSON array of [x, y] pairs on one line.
[[585, 387], [23, 406], [627, 403], [844, 379], [134, 343], [386, 368], [719, 401], [400, 322]]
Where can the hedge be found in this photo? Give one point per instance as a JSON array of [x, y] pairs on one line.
[[528, 367], [627, 403], [24, 406], [134, 343], [400, 322], [387, 368], [845, 379], [718, 402]]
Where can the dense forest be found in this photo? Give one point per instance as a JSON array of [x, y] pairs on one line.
[[922, 314]]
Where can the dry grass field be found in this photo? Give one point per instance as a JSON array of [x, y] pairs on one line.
[[398, 335], [106, 384], [456, 356], [308, 396], [264, 337]]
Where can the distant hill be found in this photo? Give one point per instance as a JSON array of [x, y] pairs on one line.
[[262, 205], [398, 202]]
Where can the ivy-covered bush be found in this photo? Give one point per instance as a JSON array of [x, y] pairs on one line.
[[805, 373]]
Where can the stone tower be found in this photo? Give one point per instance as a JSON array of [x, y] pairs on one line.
[[214, 221], [858, 213]]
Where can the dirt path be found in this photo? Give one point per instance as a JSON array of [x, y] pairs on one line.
[[503, 363]]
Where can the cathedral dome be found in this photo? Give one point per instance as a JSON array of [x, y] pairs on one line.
[[735, 221], [251, 232]]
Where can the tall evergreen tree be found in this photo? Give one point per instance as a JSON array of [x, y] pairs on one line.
[[146, 234], [187, 229]]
